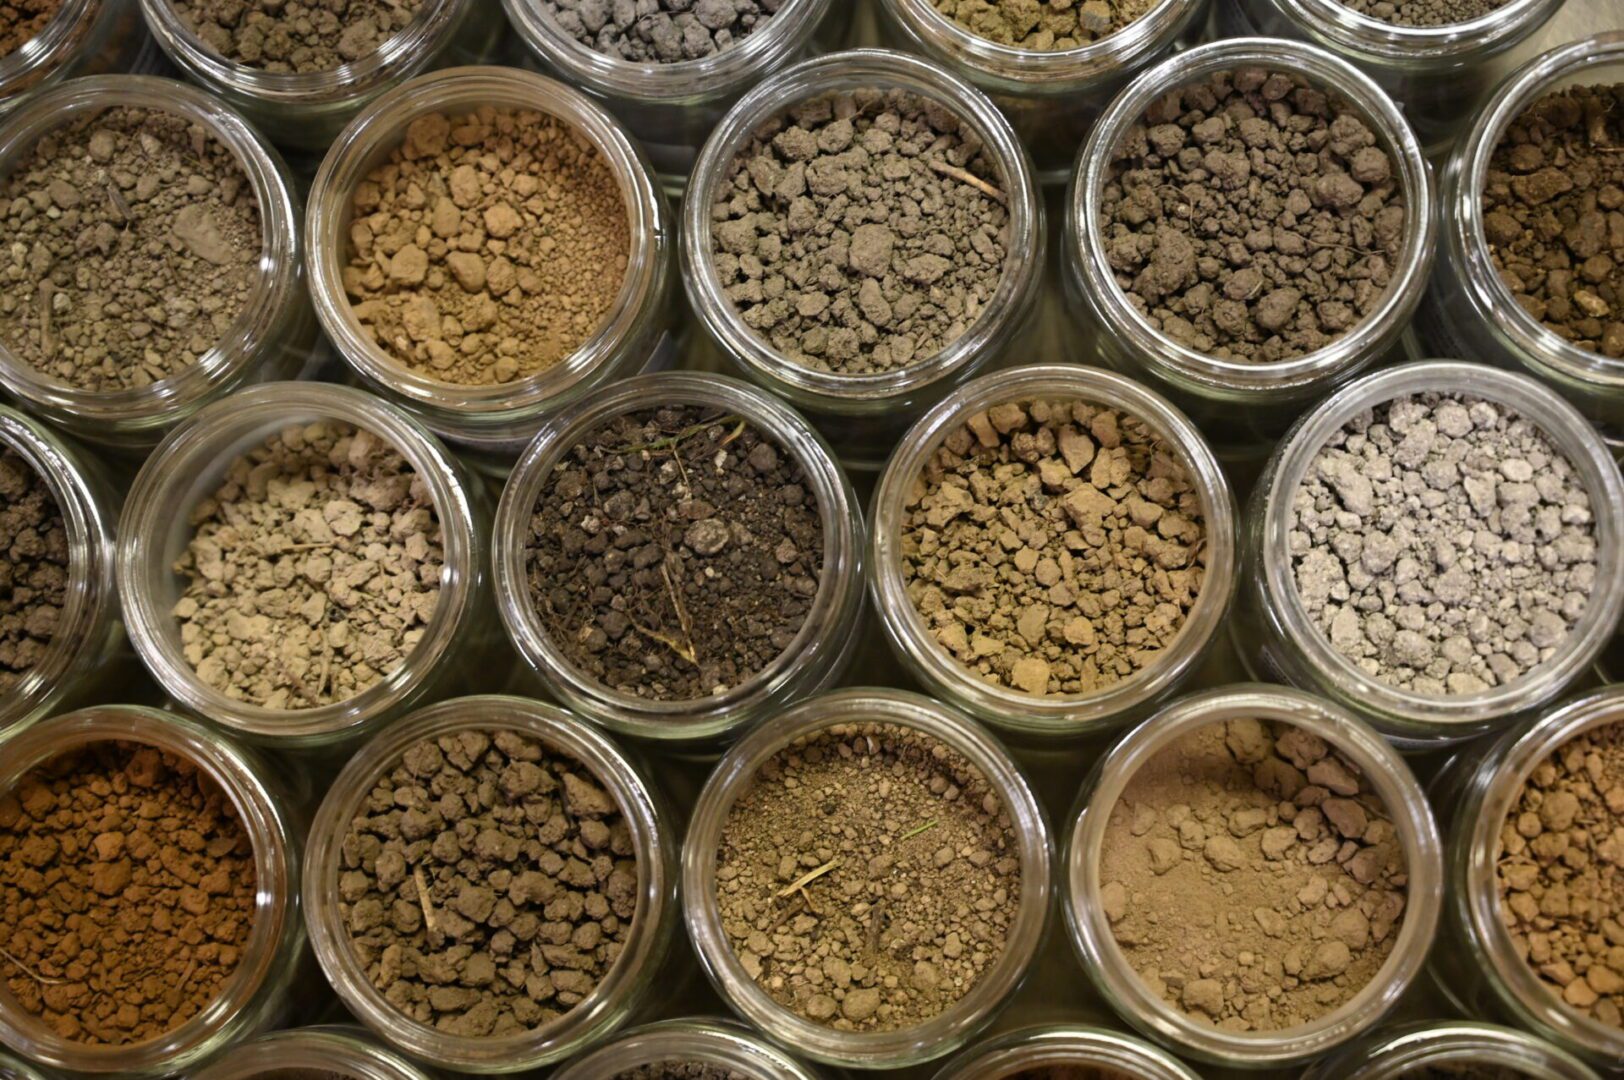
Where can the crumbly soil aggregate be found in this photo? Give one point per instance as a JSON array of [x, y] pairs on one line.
[[1425, 13], [296, 36], [33, 568], [660, 31], [22, 20], [1044, 25]]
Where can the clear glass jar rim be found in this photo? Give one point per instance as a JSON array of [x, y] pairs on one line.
[[333, 1049], [1459, 1042], [1562, 424], [276, 866], [1401, 796], [857, 68], [724, 1044], [1335, 21], [1325, 70], [738, 769], [564, 734], [1051, 713], [1070, 1045], [193, 448], [839, 586]]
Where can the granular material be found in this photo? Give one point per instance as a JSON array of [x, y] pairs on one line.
[[133, 244], [1465, 1070], [1251, 876], [1252, 217], [660, 31], [1078, 1071], [1425, 13], [675, 552], [313, 571], [1561, 873], [861, 232], [33, 568], [488, 883], [1054, 547], [295, 36], [868, 878], [1443, 543], [1044, 25], [488, 247], [1553, 214], [127, 890], [302, 1074], [22, 20], [681, 1070]]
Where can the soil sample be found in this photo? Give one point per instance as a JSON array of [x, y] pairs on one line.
[[488, 883], [674, 553], [1070, 1072], [134, 242], [1443, 543], [33, 568], [861, 232], [660, 31], [127, 890], [313, 571], [1553, 214], [302, 1074], [22, 20], [488, 247], [1464, 1071], [1044, 25], [1055, 547], [1561, 887], [1252, 877], [682, 1070], [1252, 216], [868, 878], [295, 36], [1426, 13]]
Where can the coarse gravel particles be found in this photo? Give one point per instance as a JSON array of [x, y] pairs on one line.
[[1044, 25], [1443, 543], [1252, 216], [868, 878], [1055, 547], [33, 568], [488, 883], [1251, 876], [861, 232], [296, 36], [1425, 13], [22, 20], [660, 31]]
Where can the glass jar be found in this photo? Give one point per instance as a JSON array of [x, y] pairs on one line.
[[1051, 98], [736, 772], [84, 37], [494, 422], [1476, 964], [257, 995], [1451, 1046], [1469, 311], [1109, 968], [16, 1069], [88, 634], [822, 648], [862, 415], [1090, 1050], [272, 336], [623, 988], [1239, 404], [671, 108], [1273, 631], [460, 641], [1048, 715], [306, 110], [342, 1050], [721, 1044]]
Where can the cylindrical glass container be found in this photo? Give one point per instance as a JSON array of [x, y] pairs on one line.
[[1476, 964], [863, 414], [455, 649], [1234, 402], [822, 648], [671, 108], [1469, 310], [257, 995], [944, 675], [628, 982], [1051, 98], [1435, 73], [340, 1050], [84, 37], [495, 421], [1108, 967], [271, 337], [1090, 1051], [1455, 1046], [720, 1044], [16, 1069], [88, 631], [1272, 628], [735, 773], [306, 110]]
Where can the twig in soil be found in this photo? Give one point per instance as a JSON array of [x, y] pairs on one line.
[[682, 613], [967, 177], [671, 441], [120, 207], [790, 912], [876, 927], [46, 289], [30, 972], [810, 906], [683, 650], [807, 878], [423, 899], [911, 833], [734, 434]]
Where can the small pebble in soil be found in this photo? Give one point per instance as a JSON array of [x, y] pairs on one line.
[[1044, 25], [33, 568], [660, 31], [295, 36]]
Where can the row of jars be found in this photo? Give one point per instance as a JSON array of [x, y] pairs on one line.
[[1450, 923]]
